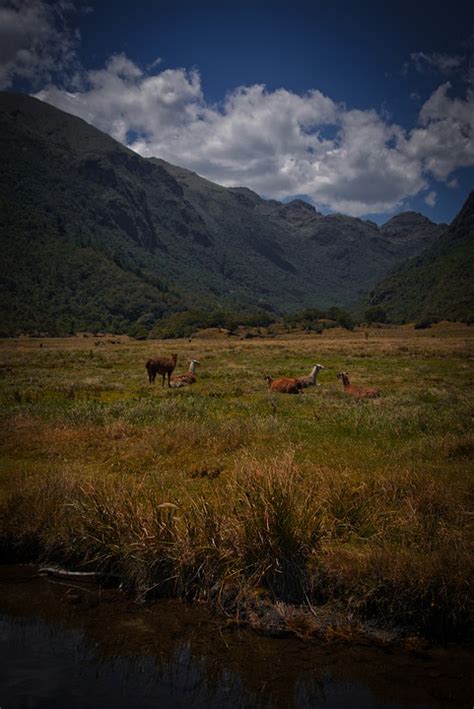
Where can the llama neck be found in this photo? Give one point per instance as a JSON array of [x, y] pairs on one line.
[[345, 381], [192, 367], [314, 374]]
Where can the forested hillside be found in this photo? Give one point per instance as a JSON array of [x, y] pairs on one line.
[[94, 236]]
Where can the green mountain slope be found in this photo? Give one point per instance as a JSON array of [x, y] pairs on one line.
[[94, 235], [439, 282]]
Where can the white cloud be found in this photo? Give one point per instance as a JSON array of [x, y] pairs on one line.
[[35, 40], [122, 98], [445, 139], [279, 143], [430, 199]]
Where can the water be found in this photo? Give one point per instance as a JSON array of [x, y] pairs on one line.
[[73, 645]]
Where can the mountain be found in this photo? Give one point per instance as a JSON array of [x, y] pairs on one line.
[[411, 231], [95, 236], [439, 282]]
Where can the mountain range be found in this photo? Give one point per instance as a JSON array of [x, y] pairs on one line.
[[94, 236]]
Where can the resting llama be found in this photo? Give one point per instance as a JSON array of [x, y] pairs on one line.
[[362, 392], [183, 380], [310, 380], [284, 385]]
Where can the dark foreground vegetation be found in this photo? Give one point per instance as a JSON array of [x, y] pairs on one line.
[[224, 492]]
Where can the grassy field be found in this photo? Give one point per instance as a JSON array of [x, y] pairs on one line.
[[361, 504]]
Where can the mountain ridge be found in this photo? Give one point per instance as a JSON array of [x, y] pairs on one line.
[[65, 186]]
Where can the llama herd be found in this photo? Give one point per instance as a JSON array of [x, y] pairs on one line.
[[283, 385]]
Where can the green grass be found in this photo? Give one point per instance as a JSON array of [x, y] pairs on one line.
[[365, 504]]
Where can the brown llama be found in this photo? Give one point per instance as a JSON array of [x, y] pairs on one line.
[[162, 366], [284, 385], [362, 392]]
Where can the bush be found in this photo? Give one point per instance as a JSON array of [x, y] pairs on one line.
[[345, 320], [138, 332], [423, 324]]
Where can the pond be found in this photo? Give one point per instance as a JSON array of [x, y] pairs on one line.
[[76, 645]]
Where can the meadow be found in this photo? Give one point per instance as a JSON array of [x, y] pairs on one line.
[[223, 489]]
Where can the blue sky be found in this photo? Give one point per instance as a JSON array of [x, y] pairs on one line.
[[365, 108]]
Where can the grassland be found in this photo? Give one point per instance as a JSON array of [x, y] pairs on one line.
[[222, 489]]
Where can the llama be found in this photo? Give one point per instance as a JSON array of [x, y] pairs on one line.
[[182, 380], [365, 392], [310, 380], [161, 366], [284, 385]]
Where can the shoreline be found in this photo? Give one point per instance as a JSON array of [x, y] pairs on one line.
[[254, 609], [251, 610]]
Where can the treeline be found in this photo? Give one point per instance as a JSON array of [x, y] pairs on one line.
[[188, 322], [313, 319]]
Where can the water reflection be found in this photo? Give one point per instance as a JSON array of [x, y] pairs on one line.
[[63, 645]]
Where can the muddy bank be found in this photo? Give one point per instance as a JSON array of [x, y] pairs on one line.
[[69, 641]]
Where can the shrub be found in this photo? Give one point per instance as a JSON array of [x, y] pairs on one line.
[[423, 324], [138, 332]]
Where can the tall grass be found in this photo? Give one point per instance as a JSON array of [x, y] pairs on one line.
[[362, 505], [397, 549], [277, 525]]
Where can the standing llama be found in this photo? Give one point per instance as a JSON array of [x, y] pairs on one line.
[[162, 366]]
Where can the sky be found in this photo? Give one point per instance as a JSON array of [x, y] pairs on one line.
[[364, 108]]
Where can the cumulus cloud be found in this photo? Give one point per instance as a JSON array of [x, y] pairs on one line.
[[445, 139], [121, 98], [36, 42], [279, 143]]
